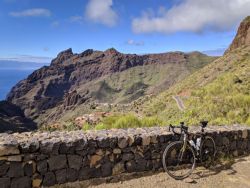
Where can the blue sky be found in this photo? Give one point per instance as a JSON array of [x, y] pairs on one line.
[[36, 30]]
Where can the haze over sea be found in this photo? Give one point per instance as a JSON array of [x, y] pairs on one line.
[[11, 72]]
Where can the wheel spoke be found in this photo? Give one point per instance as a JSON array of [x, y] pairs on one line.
[[179, 161]]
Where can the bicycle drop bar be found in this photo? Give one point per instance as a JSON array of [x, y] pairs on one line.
[[182, 127]]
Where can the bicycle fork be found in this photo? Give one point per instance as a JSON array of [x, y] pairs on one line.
[[183, 148]]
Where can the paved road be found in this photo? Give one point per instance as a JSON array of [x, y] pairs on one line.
[[179, 102], [235, 174]]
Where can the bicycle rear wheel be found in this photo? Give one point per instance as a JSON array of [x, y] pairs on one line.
[[178, 160], [207, 151]]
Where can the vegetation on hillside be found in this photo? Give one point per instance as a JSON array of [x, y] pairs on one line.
[[122, 121], [131, 84], [219, 93], [116, 121]]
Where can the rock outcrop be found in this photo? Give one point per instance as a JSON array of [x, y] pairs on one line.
[[62, 56], [242, 37]]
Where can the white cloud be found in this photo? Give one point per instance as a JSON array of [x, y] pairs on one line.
[[35, 12], [101, 11], [27, 58], [193, 16], [135, 43]]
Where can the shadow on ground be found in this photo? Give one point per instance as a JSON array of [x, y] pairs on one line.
[[201, 174], [220, 165]]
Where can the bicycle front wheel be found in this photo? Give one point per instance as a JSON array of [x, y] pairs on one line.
[[178, 160]]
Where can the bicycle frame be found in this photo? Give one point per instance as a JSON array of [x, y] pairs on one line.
[[187, 141], [184, 146]]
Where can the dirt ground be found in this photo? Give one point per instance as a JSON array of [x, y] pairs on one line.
[[233, 174]]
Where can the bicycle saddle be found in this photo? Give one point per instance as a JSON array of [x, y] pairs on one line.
[[204, 124]]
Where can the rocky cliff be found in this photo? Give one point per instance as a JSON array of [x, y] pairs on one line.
[[242, 37], [72, 79]]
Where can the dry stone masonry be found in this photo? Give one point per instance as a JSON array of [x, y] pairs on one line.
[[45, 159]]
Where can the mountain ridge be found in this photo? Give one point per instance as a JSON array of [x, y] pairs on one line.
[[66, 82]]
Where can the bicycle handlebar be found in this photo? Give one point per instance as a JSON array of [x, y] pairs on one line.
[[182, 127]]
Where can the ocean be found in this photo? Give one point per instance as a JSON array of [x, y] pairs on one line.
[[8, 78]]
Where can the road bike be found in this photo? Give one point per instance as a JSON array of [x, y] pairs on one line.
[[180, 157]]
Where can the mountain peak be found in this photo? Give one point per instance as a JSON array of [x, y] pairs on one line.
[[86, 52], [62, 56], [111, 51], [242, 37], [65, 52]]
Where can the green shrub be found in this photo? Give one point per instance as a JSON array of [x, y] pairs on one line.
[[110, 120], [121, 121], [100, 126], [151, 122], [86, 126], [69, 126], [127, 121]]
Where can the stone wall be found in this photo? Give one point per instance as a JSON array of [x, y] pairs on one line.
[[43, 158]]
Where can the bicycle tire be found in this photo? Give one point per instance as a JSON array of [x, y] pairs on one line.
[[207, 151], [176, 144]]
